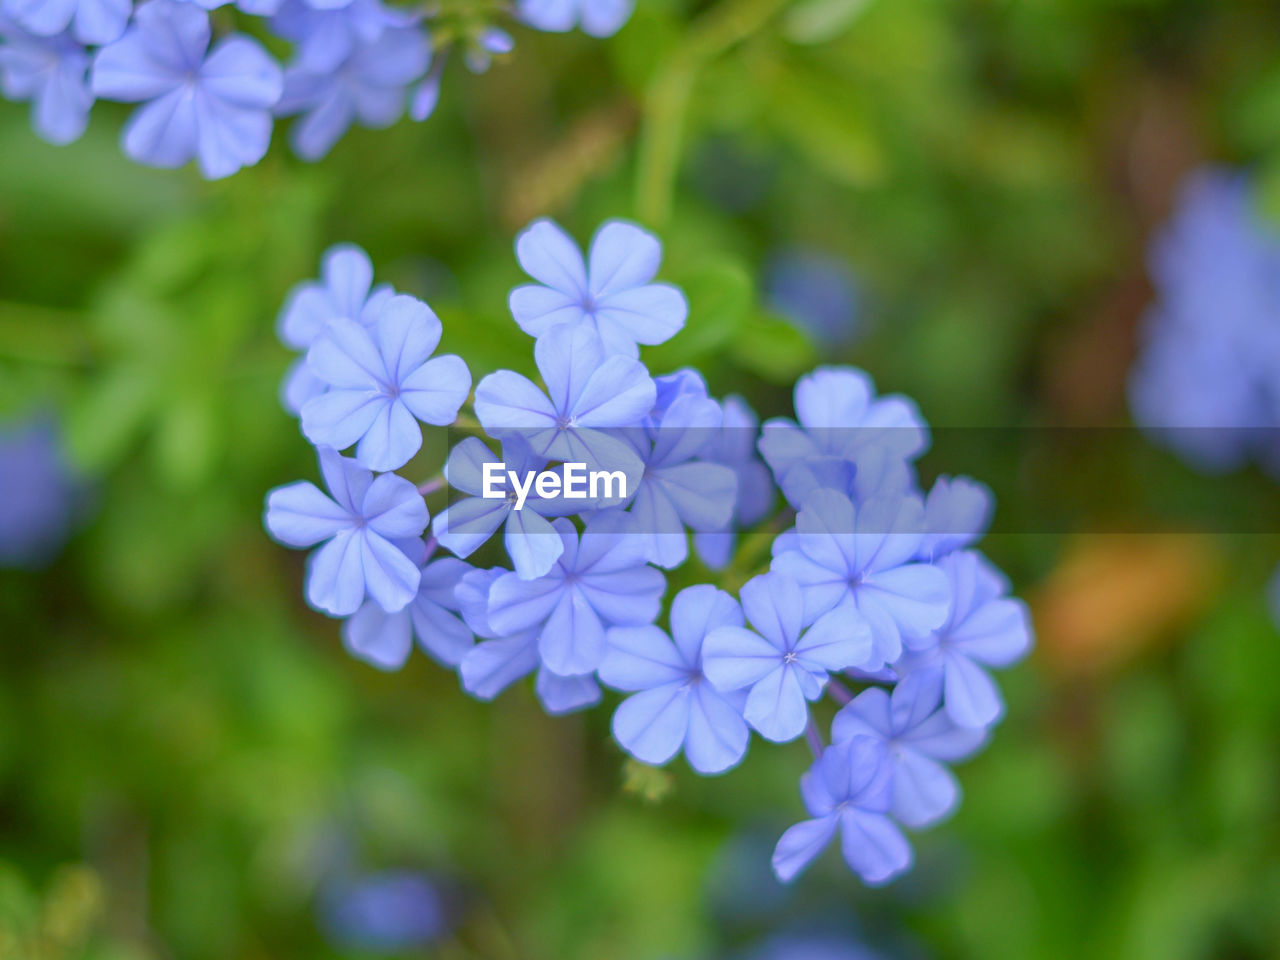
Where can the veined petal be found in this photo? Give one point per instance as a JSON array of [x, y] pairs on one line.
[[650, 314], [550, 256], [335, 576], [622, 257], [437, 389], [641, 658], [801, 844], [300, 515], [651, 725], [390, 577], [393, 508], [492, 666], [464, 525], [537, 309], [734, 657], [873, 846], [717, 736], [776, 706], [240, 72], [377, 637]]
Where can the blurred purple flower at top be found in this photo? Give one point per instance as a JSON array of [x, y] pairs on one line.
[[327, 33], [734, 445], [612, 294], [342, 292], [849, 788], [93, 22], [358, 526], [598, 18], [371, 86], [38, 494], [781, 663], [984, 628], [918, 739], [51, 72], [811, 946], [210, 105], [385, 639], [388, 912], [382, 380], [816, 292], [672, 703], [1205, 382]]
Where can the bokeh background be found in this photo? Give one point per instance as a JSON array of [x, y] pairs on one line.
[[955, 196]]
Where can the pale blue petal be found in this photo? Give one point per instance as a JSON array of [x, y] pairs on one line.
[[550, 256], [492, 666], [299, 515], [695, 612], [393, 508], [924, 791], [463, 526], [650, 315], [972, 699], [800, 845], [717, 737], [531, 542], [873, 846], [776, 705], [651, 725], [537, 309], [436, 390], [561, 695], [623, 256], [377, 637], [641, 658], [734, 657]]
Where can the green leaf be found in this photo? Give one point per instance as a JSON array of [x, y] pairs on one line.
[[721, 300], [835, 132], [817, 21], [773, 349]]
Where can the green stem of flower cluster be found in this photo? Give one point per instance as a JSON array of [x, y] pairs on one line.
[[666, 101]]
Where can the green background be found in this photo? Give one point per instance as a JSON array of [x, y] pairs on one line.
[[183, 744]]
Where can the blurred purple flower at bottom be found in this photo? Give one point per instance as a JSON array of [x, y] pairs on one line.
[[37, 495], [816, 292], [387, 912], [811, 947], [51, 72]]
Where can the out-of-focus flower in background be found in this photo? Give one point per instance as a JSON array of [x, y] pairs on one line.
[[39, 494], [816, 292], [387, 912]]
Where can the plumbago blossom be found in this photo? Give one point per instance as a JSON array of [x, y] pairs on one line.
[[870, 593], [213, 98]]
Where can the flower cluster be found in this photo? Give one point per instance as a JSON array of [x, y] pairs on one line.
[[214, 99], [873, 598], [1207, 379]]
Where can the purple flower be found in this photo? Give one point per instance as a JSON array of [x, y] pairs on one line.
[[327, 33], [734, 445], [957, 512], [676, 490], [389, 912], [589, 396], [983, 628], [613, 295], [918, 739], [531, 542], [89, 21], [370, 86], [385, 639], [849, 788], [357, 526], [599, 18], [779, 661], [816, 292], [210, 105], [342, 293], [600, 580], [863, 558], [382, 379], [499, 661], [673, 704], [51, 72], [38, 494]]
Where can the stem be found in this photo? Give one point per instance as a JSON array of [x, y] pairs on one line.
[[838, 692], [434, 485], [667, 99], [814, 739]]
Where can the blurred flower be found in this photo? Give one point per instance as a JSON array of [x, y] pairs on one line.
[[599, 18], [1207, 380], [214, 106], [51, 72], [382, 380], [613, 295], [797, 946], [816, 292], [326, 34], [38, 494], [371, 86], [89, 21], [388, 912], [734, 445]]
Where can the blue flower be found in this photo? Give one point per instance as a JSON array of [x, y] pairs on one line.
[[849, 788], [343, 292], [613, 296], [918, 740], [863, 558], [600, 580], [734, 445], [385, 639], [957, 512], [390, 912], [38, 494], [781, 662], [357, 525], [599, 18], [983, 628], [847, 438], [677, 490], [493, 665], [51, 72], [816, 292], [483, 47], [465, 524], [211, 105], [673, 704], [1204, 381], [326, 34], [370, 86], [589, 394], [381, 378], [90, 21]]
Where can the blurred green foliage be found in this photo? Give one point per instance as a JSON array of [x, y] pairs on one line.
[[186, 752]]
